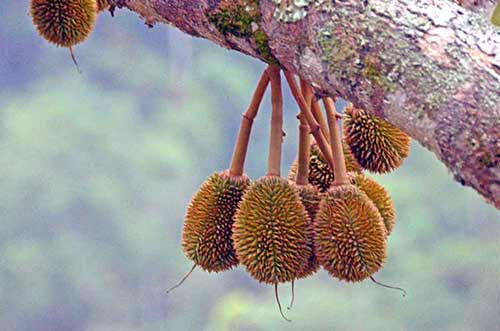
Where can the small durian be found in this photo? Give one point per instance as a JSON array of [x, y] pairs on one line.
[[377, 145], [320, 173], [271, 228], [380, 197], [208, 226], [350, 237], [270, 231], [207, 234], [64, 23]]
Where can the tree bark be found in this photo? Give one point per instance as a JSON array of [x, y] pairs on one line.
[[430, 67]]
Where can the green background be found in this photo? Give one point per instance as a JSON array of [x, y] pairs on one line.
[[97, 169]]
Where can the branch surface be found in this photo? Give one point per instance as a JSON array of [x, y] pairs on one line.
[[430, 67]]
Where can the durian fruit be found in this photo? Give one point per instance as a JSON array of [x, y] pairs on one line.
[[270, 231], [350, 236], [380, 197], [271, 228], [206, 238], [208, 226], [64, 23], [377, 145], [320, 173]]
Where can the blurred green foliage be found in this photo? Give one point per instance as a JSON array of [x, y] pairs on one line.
[[97, 170]]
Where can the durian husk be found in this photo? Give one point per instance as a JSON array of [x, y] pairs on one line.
[[310, 198], [377, 145], [64, 23], [320, 173], [350, 236], [208, 227], [102, 5], [380, 197], [270, 231]]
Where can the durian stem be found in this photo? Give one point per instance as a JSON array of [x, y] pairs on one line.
[[313, 124], [276, 295], [307, 91], [318, 115], [182, 280], [304, 155], [72, 54], [276, 139], [389, 286], [241, 147], [339, 166], [293, 296], [304, 139]]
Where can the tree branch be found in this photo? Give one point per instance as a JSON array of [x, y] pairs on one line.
[[430, 67]]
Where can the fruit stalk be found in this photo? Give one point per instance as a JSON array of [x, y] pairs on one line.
[[313, 124], [276, 140], [318, 115], [240, 150], [339, 166], [304, 139]]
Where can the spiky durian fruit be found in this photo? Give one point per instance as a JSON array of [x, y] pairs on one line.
[[377, 145], [320, 174], [270, 231], [350, 237], [64, 22], [102, 5], [207, 235], [310, 198], [378, 195]]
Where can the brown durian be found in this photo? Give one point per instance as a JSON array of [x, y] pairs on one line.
[[270, 231], [64, 23], [378, 195], [207, 233], [377, 145], [320, 174], [350, 237]]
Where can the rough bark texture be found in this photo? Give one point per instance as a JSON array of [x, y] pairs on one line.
[[430, 67]]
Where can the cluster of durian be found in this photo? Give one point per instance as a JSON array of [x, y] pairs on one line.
[[326, 214], [66, 23]]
